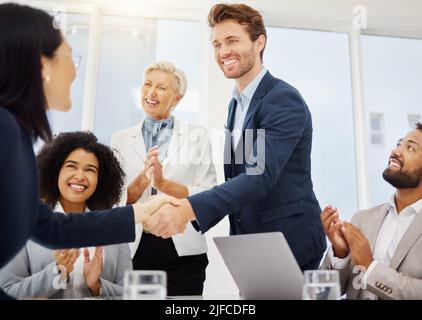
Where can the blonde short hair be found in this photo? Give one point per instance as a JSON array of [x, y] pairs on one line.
[[181, 82]]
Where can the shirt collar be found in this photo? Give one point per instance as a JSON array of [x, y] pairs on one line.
[[59, 208], [416, 206], [249, 91]]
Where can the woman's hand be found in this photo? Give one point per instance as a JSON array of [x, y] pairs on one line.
[[93, 267], [145, 210], [137, 187], [154, 169], [66, 259]]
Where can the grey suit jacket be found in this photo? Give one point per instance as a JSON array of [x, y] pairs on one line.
[[402, 279], [32, 273]]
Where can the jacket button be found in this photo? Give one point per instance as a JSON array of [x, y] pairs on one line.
[[239, 219], [228, 179]]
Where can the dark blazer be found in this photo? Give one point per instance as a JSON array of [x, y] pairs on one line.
[[23, 216], [281, 198]]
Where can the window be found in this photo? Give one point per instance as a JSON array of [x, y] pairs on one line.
[[413, 119], [128, 45], [317, 64], [392, 75], [377, 129], [77, 35]]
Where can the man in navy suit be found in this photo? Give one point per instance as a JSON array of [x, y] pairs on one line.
[[267, 153]]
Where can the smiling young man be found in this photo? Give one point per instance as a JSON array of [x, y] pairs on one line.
[[379, 254], [278, 195]]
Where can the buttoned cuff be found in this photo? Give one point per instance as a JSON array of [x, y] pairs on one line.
[[337, 263], [368, 272]]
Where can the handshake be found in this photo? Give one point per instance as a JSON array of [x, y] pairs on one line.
[[163, 215]]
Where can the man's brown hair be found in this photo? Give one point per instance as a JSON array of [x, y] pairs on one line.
[[418, 126], [243, 15]]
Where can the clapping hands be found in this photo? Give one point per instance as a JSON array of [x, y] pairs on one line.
[[154, 168], [346, 237]]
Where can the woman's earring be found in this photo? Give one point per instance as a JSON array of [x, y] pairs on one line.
[[47, 78]]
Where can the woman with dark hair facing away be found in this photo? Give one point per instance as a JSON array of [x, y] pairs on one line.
[[77, 174], [36, 72]]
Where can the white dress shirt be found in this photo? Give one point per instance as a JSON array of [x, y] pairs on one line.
[[389, 236], [243, 100], [77, 275]]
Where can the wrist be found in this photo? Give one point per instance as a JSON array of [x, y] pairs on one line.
[[190, 214], [340, 253], [368, 263], [95, 287], [144, 177], [161, 185]]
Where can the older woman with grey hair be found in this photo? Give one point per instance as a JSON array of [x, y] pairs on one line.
[[163, 154]]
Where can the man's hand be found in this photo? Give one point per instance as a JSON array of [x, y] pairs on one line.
[[332, 227], [359, 245], [170, 220], [93, 267], [145, 210]]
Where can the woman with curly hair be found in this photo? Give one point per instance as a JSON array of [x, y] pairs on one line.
[[77, 174], [37, 71]]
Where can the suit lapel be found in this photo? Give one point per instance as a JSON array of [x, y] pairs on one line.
[[137, 141], [230, 116], [260, 92], [412, 234], [227, 153], [176, 141]]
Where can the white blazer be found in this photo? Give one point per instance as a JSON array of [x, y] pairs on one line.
[[188, 161]]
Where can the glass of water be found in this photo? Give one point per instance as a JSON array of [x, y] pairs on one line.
[[321, 285], [145, 285]]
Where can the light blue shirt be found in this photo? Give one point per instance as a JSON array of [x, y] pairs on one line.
[[158, 133], [243, 101]]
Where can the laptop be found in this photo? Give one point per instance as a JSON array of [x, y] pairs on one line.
[[262, 265]]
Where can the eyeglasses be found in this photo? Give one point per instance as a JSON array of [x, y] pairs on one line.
[[76, 58]]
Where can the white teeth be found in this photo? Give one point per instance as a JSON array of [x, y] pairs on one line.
[[395, 163], [151, 101], [229, 62], [77, 187]]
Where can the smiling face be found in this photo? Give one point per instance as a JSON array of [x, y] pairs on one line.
[[158, 94], [78, 178], [60, 71], [404, 169], [235, 53]]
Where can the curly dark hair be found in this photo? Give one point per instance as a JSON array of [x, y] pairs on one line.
[[54, 153]]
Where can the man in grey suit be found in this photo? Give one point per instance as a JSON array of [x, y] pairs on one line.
[[379, 254]]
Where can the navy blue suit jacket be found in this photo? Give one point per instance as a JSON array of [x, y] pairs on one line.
[[281, 198], [23, 216]]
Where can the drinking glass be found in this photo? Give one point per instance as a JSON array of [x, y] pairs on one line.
[[145, 285], [321, 285]]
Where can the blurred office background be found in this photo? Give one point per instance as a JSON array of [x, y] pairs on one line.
[[363, 86]]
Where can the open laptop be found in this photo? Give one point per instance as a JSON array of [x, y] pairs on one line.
[[262, 265]]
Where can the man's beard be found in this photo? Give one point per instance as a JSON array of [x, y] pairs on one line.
[[403, 179], [249, 62]]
